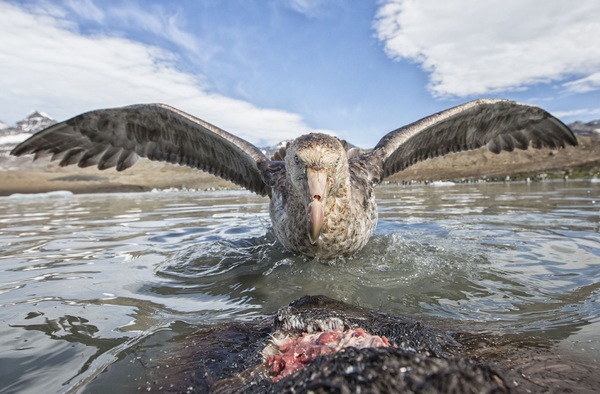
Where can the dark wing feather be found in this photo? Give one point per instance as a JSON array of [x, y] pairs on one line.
[[498, 124], [117, 137]]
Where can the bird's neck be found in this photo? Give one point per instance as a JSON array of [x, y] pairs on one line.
[[341, 191]]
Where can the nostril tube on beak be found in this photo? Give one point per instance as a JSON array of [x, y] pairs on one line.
[[317, 197]]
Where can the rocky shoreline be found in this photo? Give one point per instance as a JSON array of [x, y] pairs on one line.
[[23, 175]]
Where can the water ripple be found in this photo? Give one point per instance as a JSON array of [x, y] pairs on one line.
[[84, 276]]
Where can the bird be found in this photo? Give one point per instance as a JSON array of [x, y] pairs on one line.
[[322, 194]]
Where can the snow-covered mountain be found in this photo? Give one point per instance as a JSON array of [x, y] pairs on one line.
[[24, 128], [35, 122], [590, 129], [269, 151], [11, 136]]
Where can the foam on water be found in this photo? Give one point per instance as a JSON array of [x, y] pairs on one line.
[[36, 196]]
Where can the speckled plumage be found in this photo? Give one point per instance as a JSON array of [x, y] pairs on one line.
[[351, 208], [322, 195]]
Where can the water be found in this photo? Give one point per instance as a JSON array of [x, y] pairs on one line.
[[86, 278]]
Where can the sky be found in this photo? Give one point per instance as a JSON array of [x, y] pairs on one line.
[[270, 70]]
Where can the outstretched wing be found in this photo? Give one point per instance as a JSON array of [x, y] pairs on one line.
[[117, 137], [498, 124]]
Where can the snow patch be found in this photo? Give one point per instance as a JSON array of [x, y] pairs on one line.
[[442, 183], [34, 196], [13, 139]]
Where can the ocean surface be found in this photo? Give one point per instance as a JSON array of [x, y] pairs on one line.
[[87, 278]]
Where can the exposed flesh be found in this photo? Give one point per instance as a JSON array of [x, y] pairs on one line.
[[290, 354]]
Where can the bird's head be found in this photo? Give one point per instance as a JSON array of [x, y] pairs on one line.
[[317, 165]]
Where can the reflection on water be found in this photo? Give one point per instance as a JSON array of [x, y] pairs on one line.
[[85, 277]]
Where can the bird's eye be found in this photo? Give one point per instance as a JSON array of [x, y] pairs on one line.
[[296, 159], [337, 162]]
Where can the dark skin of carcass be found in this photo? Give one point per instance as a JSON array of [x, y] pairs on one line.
[[231, 357]]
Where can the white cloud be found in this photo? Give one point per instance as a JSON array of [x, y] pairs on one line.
[[86, 9], [577, 112], [153, 19], [46, 64], [473, 47], [157, 21], [584, 85], [312, 8], [306, 7]]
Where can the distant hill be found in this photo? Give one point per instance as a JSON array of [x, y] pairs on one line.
[[36, 121], [32, 123], [11, 136], [590, 129], [23, 175]]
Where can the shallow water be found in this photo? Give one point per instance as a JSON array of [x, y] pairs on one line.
[[85, 278]]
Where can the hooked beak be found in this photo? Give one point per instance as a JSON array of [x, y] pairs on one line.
[[318, 186]]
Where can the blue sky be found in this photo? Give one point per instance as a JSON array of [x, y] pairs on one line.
[[269, 70]]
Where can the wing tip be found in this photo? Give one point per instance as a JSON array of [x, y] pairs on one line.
[[24, 148]]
